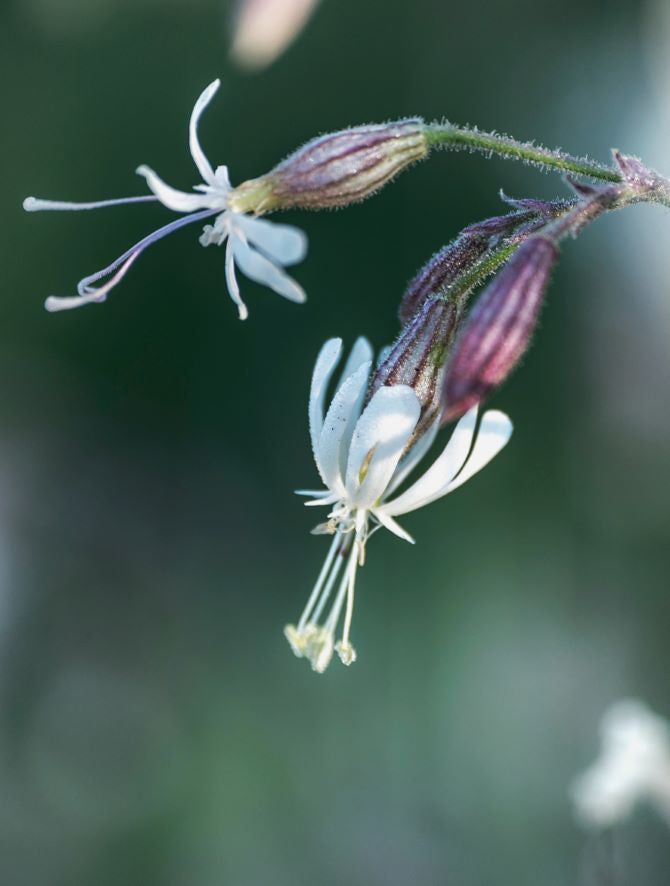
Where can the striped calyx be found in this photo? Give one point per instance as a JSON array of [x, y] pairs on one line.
[[336, 169], [498, 329], [418, 356]]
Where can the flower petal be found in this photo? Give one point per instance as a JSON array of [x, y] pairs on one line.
[[338, 427], [259, 268], [202, 163], [360, 353], [380, 436], [179, 201], [414, 456], [231, 281], [324, 367], [494, 432], [284, 244], [390, 524], [435, 482]]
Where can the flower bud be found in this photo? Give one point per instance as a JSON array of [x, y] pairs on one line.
[[460, 256], [335, 169], [499, 327], [418, 356], [441, 271]]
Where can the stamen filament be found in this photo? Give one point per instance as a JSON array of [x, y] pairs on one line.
[[319, 582], [141, 245], [353, 563], [334, 614], [329, 584], [35, 204], [91, 294]]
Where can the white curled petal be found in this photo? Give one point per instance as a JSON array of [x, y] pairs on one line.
[[494, 432], [202, 163], [231, 280], [338, 427], [222, 179], [324, 367], [389, 523], [179, 201], [259, 268], [360, 353], [380, 436], [414, 456], [435, 482], [316, 502], [284, 244]]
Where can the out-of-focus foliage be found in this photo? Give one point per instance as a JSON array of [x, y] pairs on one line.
[[154, 726]]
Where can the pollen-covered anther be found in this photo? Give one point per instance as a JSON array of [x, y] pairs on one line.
[[346, 652], [299, 638]]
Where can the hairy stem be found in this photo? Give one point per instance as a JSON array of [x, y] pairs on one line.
[[446, 135]]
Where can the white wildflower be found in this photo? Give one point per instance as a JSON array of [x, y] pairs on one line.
[[362, 456], [633, 767], [260, 248]]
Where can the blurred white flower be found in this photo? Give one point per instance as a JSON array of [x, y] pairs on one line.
[[633, 766], [362, 456], [263, 29], [260, 248]]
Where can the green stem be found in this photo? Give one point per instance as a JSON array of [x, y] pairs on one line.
[[464, 284], [446, 135]]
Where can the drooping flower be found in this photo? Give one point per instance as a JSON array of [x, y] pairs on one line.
[[633, 767], [260, 248], [361, 452]]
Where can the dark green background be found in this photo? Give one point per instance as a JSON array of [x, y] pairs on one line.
[[154, 726]]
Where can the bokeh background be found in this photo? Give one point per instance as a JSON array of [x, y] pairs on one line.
[[154, 726]]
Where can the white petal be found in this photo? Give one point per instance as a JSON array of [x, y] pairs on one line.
[[179, 201], [221, 178], [324, 367], [259, 268], [494, 432], [360, 353], [231, 280], [390, 524], [435, 482], [378, 442], [202, 163], [338, 427], [414, 456], [315, 502], [284, 244]]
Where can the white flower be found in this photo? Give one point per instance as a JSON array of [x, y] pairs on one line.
[[362, 456], [633, 766], [260, 248]]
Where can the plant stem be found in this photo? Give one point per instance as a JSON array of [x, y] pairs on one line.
[[446, 135], [464, 284]]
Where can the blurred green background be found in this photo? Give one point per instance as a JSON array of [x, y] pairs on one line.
[[154, 726]]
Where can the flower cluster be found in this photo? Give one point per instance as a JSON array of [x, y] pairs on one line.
[[447, 359]]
